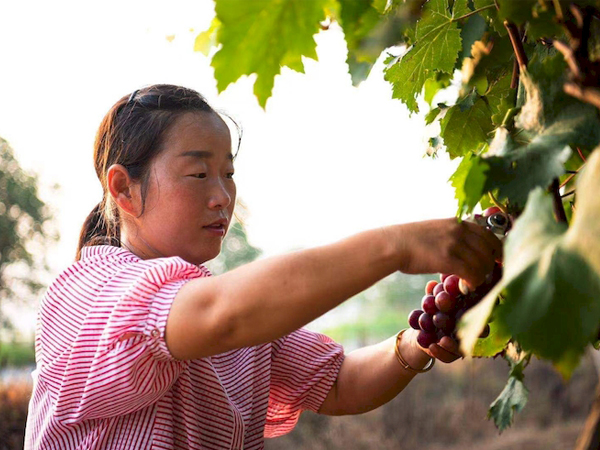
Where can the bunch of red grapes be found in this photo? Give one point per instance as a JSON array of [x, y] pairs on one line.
[[446, 301]]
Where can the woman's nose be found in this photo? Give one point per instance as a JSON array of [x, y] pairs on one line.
[[220, 197]]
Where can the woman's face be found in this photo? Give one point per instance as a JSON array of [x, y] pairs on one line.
[[191, 192]]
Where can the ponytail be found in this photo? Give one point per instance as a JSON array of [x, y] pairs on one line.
[[97, 230]]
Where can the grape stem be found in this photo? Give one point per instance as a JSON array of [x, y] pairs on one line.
[[568, 193], [497, 203], [571, 173], [559, 210]]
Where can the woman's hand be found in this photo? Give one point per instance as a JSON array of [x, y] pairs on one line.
[[446, 350], [447, 246]]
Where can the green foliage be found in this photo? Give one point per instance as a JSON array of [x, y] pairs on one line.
[[24, 229], [516, 128], [16, 354], [551, 279]]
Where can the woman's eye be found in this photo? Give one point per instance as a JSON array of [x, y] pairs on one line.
[[230, 175], [199, 175]]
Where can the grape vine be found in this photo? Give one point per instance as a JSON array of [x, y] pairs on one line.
[[525, 126]]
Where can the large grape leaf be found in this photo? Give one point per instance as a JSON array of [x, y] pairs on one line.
[[260, 36], [551, 279], [436, 48], [466, 126]]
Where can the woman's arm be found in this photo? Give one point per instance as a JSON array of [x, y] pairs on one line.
[[372, 376], [266, 299]]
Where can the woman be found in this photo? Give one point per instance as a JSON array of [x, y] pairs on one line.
[[138, 347]]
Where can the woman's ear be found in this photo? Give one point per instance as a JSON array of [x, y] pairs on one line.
[[123, 190]]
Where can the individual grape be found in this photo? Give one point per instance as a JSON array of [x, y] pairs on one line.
[[425, 339], [486, 332], [443, 276], [439, 288], [426, 323], [451, 285], [413, 318], [445, 302], [428, 304], [444, 322], [430, 286]]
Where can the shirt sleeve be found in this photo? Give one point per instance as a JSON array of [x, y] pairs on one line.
[[304, 368], [119, 362]]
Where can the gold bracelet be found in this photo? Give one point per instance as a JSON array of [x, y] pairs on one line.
[[403, 362]]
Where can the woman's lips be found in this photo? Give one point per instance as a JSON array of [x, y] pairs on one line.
[[216, 228]]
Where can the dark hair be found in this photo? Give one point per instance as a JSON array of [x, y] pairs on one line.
[[131, 134]]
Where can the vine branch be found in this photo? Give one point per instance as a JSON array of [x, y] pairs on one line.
[[521, 57], [559, 210], [515, 40]]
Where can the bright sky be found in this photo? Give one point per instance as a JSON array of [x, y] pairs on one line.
[[324, 161]]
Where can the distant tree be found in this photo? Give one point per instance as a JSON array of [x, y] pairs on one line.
[[25, 231], [235, 251]]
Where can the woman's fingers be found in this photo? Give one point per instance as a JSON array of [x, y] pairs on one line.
[[446, 350], [476, 254]]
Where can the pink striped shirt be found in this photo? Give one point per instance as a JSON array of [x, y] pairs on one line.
[[105, 379]]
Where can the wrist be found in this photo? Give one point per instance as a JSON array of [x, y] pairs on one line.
[[411, 352]]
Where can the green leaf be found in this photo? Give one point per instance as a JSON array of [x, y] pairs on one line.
[[513, 398], [471, 32], [432, 115], [494, 344], [466, 128], [207, 39], [261, 36], [468, 182], [434, 85], [358, 18], [543, 24], [525, 168], [551, 279], [517, 12], [552, 307], [500, 98], [492, 58], [490, 14], [436, 48]]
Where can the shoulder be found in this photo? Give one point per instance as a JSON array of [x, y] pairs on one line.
[[103, 266]]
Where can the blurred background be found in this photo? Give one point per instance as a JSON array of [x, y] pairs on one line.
[[322, 161]]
